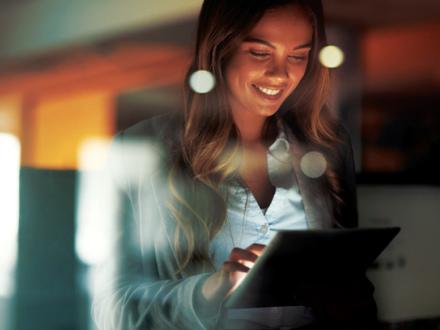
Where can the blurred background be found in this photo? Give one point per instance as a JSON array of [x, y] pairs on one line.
[[73, 73]]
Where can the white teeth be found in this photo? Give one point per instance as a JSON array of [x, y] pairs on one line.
[[269, 91]]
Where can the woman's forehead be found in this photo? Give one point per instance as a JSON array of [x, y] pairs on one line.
[[286, 23]]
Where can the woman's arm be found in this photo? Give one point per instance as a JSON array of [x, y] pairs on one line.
[[144, 292]]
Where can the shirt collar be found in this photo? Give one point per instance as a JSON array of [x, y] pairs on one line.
[[281, 143]]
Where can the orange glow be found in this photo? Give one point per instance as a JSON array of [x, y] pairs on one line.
[[402, 57], [68, 98], [62, 124], [125, 66]]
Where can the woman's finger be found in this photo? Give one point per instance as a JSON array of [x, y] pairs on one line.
[[232, 266], [236, 273], [256, 248], [240, 255]]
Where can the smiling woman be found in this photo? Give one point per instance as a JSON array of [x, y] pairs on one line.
[[269, 63], [229, 175], [263, 71]]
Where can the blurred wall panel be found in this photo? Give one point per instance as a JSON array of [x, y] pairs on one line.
[[45, 282]]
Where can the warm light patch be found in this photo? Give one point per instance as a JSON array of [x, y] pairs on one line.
[[10, 114], [62, 124]]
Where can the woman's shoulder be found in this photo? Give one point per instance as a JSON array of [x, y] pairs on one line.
[[158, 127], [343, 132], [160, 132], [147, 144]]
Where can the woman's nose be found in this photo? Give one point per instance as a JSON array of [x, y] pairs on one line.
[[277, 70]]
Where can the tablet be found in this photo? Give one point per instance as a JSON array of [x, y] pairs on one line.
[[295, 256]]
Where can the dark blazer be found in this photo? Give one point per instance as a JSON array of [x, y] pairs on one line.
[[146, 293]]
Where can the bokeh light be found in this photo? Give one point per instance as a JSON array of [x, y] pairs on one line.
[[202, 81], [331, 56], [313, 164]]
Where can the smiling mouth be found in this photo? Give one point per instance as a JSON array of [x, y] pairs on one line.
[[268, 91]]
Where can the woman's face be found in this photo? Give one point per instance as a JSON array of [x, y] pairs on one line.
[[269, 63]]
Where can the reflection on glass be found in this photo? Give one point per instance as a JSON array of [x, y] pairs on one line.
[[9, 174], [95, 218], [93, 234]]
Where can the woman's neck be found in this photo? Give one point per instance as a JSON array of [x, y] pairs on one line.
[[250, 128]]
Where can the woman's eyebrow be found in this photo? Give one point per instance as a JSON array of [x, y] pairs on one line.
[[268, 44], [260, 41], [308, 45]]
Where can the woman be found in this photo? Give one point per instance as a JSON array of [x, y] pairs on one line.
[[229, 172]]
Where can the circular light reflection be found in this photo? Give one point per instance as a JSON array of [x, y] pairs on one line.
[[202, 81], [313, 164], [331, 56]]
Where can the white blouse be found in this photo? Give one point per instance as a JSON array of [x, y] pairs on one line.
[[247, 224]]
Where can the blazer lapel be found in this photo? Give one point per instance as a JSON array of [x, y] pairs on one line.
[[315, 199]]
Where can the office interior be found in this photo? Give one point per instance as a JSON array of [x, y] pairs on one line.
[[73, 73]]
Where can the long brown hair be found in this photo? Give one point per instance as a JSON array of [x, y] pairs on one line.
[[207, 153]]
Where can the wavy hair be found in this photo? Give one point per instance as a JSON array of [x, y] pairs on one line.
[[206, 156]]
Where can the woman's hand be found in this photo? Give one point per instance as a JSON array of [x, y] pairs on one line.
[[223, 283]]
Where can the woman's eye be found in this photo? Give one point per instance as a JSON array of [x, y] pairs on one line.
[[298, 57], [259, 54]]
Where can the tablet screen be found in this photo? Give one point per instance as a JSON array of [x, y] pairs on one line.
[[295, 256]]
